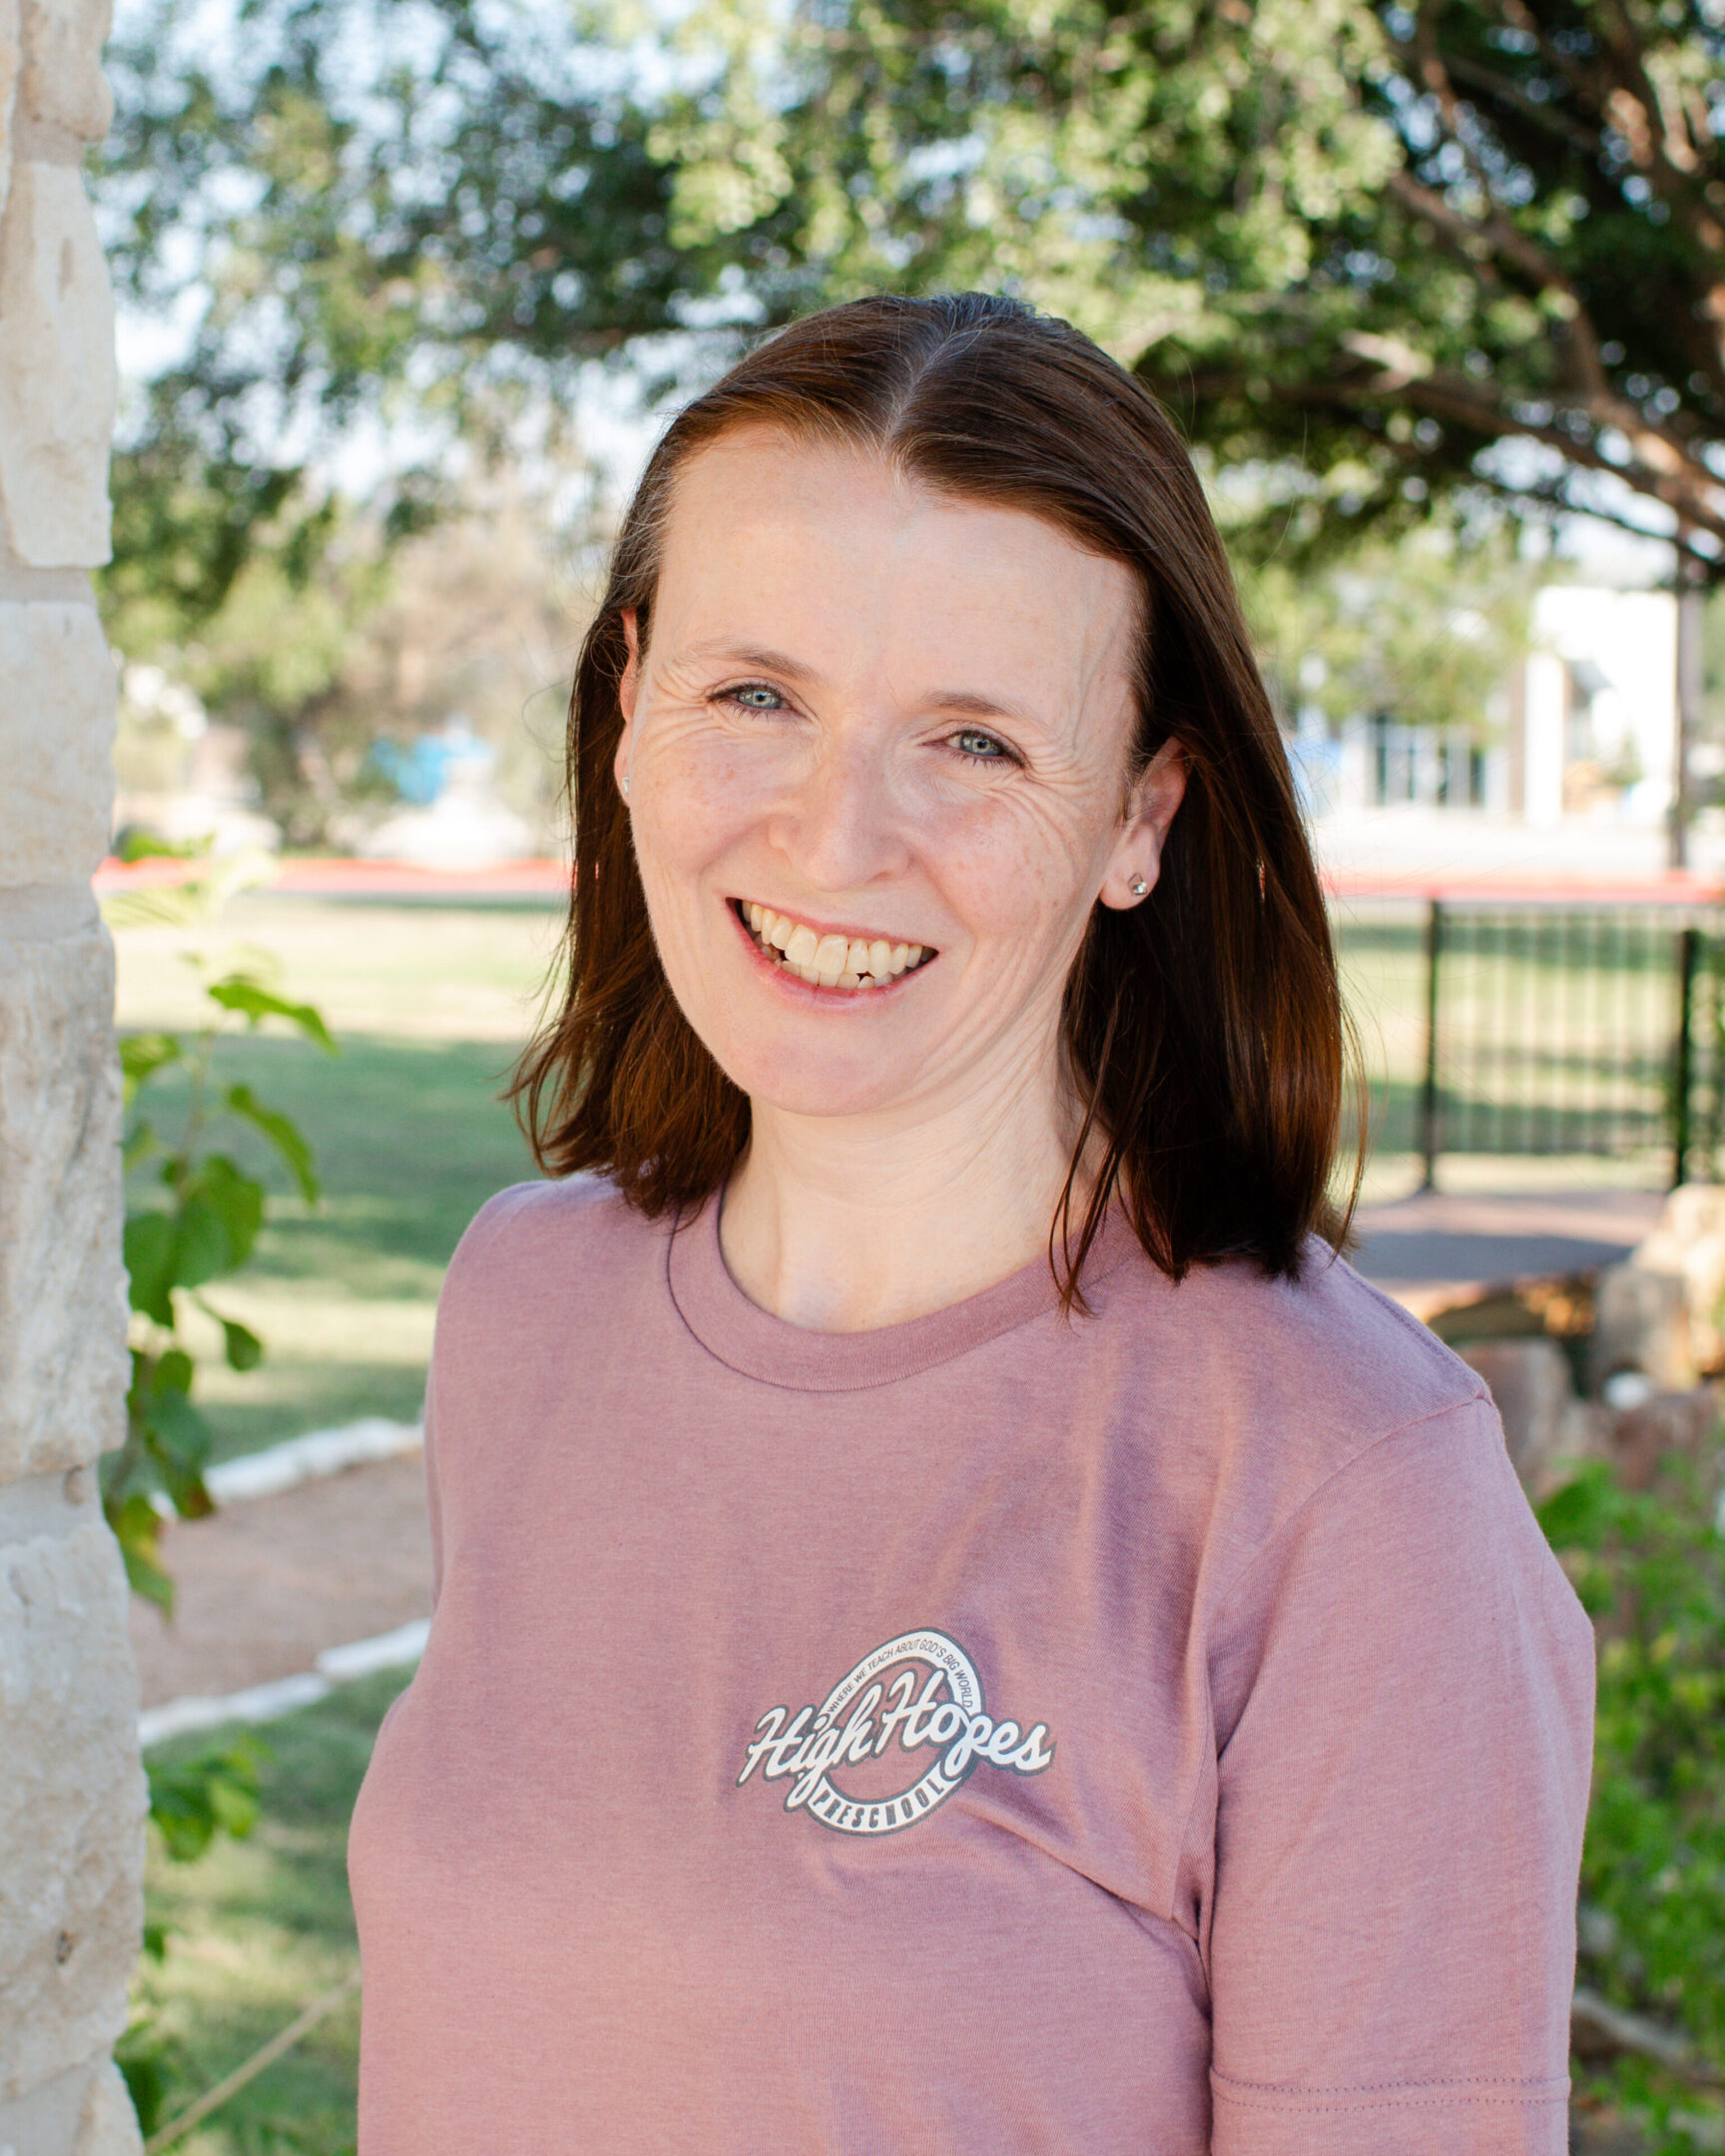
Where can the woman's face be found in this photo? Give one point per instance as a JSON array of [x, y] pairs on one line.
[[888, 730]]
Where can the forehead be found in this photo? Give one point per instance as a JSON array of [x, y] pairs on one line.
[[771, 538]]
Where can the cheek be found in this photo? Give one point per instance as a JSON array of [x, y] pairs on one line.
[[1023, 871], [694, 799]]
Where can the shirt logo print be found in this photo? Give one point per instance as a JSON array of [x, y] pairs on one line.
[[932, 1703]]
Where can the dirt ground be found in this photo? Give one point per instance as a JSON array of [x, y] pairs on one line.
[[263, 1587]]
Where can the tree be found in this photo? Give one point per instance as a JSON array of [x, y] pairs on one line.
[[1470, 246], [1455, 256], [357, 219]]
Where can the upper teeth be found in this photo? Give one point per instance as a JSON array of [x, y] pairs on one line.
[[831, 961]]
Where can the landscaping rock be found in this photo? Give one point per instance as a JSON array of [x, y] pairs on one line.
[[1641, 1323], [1683, 1425], [1689, 1245], [63, 86], [72, 1799]]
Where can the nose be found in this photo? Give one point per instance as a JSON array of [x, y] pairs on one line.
[[837, 828]]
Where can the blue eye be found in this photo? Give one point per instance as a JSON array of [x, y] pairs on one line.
[[983, 748], [756, 695]]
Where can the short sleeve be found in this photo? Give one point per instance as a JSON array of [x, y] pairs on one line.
[[462, 1286], [433, 1491], [1403, 1686]]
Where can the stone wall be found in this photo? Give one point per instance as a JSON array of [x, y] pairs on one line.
[[71, 1790]]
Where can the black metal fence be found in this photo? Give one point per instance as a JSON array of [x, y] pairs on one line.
[[1533, 1028]]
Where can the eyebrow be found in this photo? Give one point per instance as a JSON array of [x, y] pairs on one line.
[[750, 655], [965, 702]]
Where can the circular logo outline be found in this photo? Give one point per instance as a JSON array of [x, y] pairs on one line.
[[830, 1805]]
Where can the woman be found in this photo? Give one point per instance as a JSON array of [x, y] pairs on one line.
[[962, 1626]]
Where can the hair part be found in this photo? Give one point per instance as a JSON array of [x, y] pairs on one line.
[[1203, 1029]]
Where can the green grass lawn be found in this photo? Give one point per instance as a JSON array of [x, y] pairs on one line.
[[256, 1931], [430, 1006]]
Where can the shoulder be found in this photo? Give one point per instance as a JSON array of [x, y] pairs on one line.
[[531, 1242], [1357, 1482], [1279, 1386], [1327, 1361]]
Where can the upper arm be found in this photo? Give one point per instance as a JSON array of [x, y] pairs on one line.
[[1404, 1689]]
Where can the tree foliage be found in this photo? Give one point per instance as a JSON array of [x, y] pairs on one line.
[[1392, 254], [1467, 247], [378, 218]]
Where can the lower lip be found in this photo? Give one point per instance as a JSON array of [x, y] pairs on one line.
[[809, 992]]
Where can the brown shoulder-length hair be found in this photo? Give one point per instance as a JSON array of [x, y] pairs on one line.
[[1203, 1029]]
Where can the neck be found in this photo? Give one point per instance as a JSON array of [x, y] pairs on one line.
[[843, 1224]]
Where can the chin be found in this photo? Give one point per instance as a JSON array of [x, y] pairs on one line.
[[810, 1082]]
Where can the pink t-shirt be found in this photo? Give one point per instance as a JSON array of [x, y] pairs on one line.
[[997, 1734]]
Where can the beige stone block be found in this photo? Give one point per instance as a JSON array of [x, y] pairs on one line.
[[63, 86], [57, 371], [11, 66], [82, 2112], [109, 2126], [62, 1286], [72, 1806], [57, 700]]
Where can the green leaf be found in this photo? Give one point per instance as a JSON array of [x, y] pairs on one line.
[[283, 1133], [243, 1349], [142, 844], [137, 1526], [174, 1372], [180, 1441], [142, 1055], [149, 1248], [239, 992], [159, 905], [238, 1199], [214, 1792], [1574, 1516], [175, 1437], [141, 2054], [221, 1212], [203, 1250]]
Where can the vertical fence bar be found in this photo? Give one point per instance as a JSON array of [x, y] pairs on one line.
[[1429, 1136], [1688, 956]]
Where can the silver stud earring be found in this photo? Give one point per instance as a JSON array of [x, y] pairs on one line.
[[625, 786], [1138, 887]]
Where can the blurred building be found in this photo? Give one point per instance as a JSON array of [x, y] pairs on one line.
[[1585, 728]]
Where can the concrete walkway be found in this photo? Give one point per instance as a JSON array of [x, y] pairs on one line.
[[266, 1587], [1428, 1249]]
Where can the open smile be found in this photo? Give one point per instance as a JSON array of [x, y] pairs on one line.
[[827, 960]]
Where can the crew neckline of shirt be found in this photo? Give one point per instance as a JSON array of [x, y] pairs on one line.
[[755, 1344]]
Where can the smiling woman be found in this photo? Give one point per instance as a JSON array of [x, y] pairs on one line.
[[963, 1627]]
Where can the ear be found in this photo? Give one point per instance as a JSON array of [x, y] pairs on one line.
[[628, 688], [1137, 858]]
